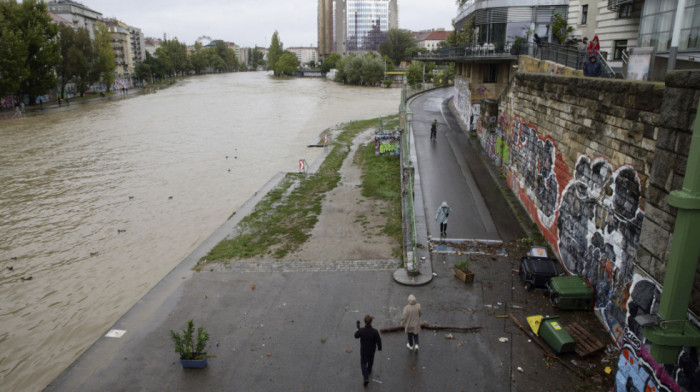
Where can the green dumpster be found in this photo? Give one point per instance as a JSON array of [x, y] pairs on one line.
[[556, 336], [571, 292]]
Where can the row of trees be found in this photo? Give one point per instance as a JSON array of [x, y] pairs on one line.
[[172, 59], [84, 61]]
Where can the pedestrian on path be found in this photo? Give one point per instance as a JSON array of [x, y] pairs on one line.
[[410, 320], [441, 216], [433, 130], [369, 341]]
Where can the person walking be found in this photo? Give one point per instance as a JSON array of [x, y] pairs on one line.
[[433, 130], [410, 320], [582, 48], [369, 341], [592, 67], [441, 216]]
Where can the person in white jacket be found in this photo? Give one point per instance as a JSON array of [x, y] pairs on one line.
[[441, 216]]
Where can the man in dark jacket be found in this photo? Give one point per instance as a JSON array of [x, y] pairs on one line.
[[592, 67], [369, 341]]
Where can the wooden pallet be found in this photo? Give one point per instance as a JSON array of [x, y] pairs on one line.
[[586, 343]]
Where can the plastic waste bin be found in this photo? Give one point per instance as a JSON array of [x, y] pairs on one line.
[[552, 332], [571, 292], [535, 272]]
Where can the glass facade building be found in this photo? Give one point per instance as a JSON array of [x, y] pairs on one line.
[[656, 26], [500, 22], [367, 24], [362, 25]]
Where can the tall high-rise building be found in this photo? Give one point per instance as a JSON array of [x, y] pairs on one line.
[[325, 27], [354, 26]]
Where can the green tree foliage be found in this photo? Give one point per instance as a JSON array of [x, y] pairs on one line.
[[287, 64], [466, 35], [256, 58], [360, 70], [78, 60], [398, 45], [414, 73], [227, 55], [275, 51], [29, 50], [104, 66], [331, 62], [13, 52], [561, 29], [198, 58]]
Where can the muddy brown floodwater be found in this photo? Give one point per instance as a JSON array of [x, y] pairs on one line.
[[99, 201]]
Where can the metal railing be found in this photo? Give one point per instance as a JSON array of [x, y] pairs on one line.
[[568, 56]]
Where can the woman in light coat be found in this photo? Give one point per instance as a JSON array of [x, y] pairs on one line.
[[410, 320], [441, 216]]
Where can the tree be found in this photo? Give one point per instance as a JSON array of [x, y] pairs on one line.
[[287, 64], [331, 62], [198, 58], [560, 28], [372, 69], [29, 50], [103, 67], [464, 36], [13, 52], [275, 52], [414, 73], [80, 60], [398, 42]]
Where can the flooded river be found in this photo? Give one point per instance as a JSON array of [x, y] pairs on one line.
[[99, 201]]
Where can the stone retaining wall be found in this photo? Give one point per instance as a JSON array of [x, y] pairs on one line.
[[593, 161]]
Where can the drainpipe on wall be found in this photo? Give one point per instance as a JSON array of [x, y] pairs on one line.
[[675, 37], [673, 330]]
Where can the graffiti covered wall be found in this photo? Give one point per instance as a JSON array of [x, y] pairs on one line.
[[593, 162], [387, 144]]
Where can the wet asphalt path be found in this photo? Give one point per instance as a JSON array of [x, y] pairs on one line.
[[452, 170]]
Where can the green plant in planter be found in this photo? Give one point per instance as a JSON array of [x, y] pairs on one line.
[[463, 265], [185, 344]]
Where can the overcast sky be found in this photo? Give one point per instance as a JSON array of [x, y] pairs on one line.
[[252, 22]]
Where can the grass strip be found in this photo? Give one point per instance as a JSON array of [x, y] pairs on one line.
[[381, 180], [282, 221]]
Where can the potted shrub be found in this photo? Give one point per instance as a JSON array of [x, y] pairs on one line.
[[462, 271], [192, 354]]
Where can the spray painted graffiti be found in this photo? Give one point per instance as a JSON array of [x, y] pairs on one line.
[[462, 100], [637, 370], [475, 116], [387, 144], [533, 164], [644, 298], [599, 224]]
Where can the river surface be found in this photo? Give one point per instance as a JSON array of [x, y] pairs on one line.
[[99, 201]]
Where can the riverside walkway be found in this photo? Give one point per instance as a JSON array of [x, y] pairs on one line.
[[291, 329]]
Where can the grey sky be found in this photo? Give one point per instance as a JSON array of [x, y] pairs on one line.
[[252, 22]]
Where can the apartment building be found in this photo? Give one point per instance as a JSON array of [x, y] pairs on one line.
[[121, 45], [431, 39], [305, 54], [138, 46], [76, 13]]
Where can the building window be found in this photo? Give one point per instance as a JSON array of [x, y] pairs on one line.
[[584, 14], [625, 11], [490, 73], [620, 46]]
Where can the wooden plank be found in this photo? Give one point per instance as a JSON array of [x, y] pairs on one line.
[[586, 343]]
